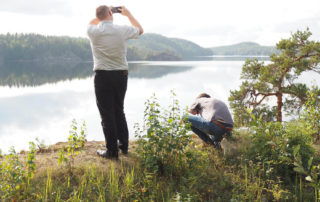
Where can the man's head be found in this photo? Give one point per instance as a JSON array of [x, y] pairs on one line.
[[104, 13], [203, 95]]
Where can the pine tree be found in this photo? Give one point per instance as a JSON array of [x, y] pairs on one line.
[[277, 80]]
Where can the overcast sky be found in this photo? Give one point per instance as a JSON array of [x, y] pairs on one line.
[[206, 22]]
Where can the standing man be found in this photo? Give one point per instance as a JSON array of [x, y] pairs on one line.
[[214, 121], [109, 49]]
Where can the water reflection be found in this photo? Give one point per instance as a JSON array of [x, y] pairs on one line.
[[46, 111], [227, 58], [21, 74], [147, 70]]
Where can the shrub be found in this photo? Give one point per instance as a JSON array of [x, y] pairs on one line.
[[283, 148], [311, 113], [163, 139], [76, 140], [12, 176], [30, 162]]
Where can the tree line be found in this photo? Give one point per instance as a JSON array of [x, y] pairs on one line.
[[35, 47]]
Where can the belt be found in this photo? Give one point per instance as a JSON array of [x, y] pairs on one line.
[[125, 72], [222, 126]]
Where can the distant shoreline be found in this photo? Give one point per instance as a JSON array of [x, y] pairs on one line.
[[231, 56]]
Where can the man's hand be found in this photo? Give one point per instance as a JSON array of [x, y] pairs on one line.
[[125, 11], [133, 21], [193, 112], [94, 21]]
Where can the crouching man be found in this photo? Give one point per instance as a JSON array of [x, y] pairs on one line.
[[210, 119]]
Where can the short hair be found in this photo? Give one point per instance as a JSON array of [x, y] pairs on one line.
[[203, 95], [102, 12]]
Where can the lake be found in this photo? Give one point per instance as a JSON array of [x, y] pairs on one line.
[[44, 110]]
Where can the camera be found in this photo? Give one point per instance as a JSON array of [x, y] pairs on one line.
[[116, 9]]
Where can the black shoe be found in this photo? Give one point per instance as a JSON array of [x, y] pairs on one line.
[[217, 145], [123, 149], [108, 154]]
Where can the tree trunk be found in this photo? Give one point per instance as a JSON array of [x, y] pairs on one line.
[[279, 107]]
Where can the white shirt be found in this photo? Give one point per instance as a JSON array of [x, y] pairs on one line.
[[212, 109], [109, 45]]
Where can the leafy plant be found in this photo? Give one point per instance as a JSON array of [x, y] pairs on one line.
[[76, 141], [311, 113], [280, 147], [30, 163], [12, 176], [163, 139], [62, 157]]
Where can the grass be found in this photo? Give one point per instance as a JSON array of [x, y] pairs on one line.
[[90, 176], [223, 176]]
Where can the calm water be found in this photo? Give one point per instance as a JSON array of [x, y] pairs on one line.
[[45, 111]]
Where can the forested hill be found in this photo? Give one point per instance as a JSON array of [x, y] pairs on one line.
[[245, 48], [155, 46], [39, 48], [52, 49]]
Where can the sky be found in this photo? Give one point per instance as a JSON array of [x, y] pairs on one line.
[[208, 23]]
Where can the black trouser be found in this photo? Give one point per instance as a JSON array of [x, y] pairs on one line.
[[110, 89]]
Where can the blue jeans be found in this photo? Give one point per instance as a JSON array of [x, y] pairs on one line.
[[202, 128]]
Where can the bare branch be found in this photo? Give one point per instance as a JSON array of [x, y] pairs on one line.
[[254, 96]]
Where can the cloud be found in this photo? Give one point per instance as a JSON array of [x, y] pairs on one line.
[[212, 24], [216, 35], [36, 7], [209, 30], [292, 26], [22, 110]]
